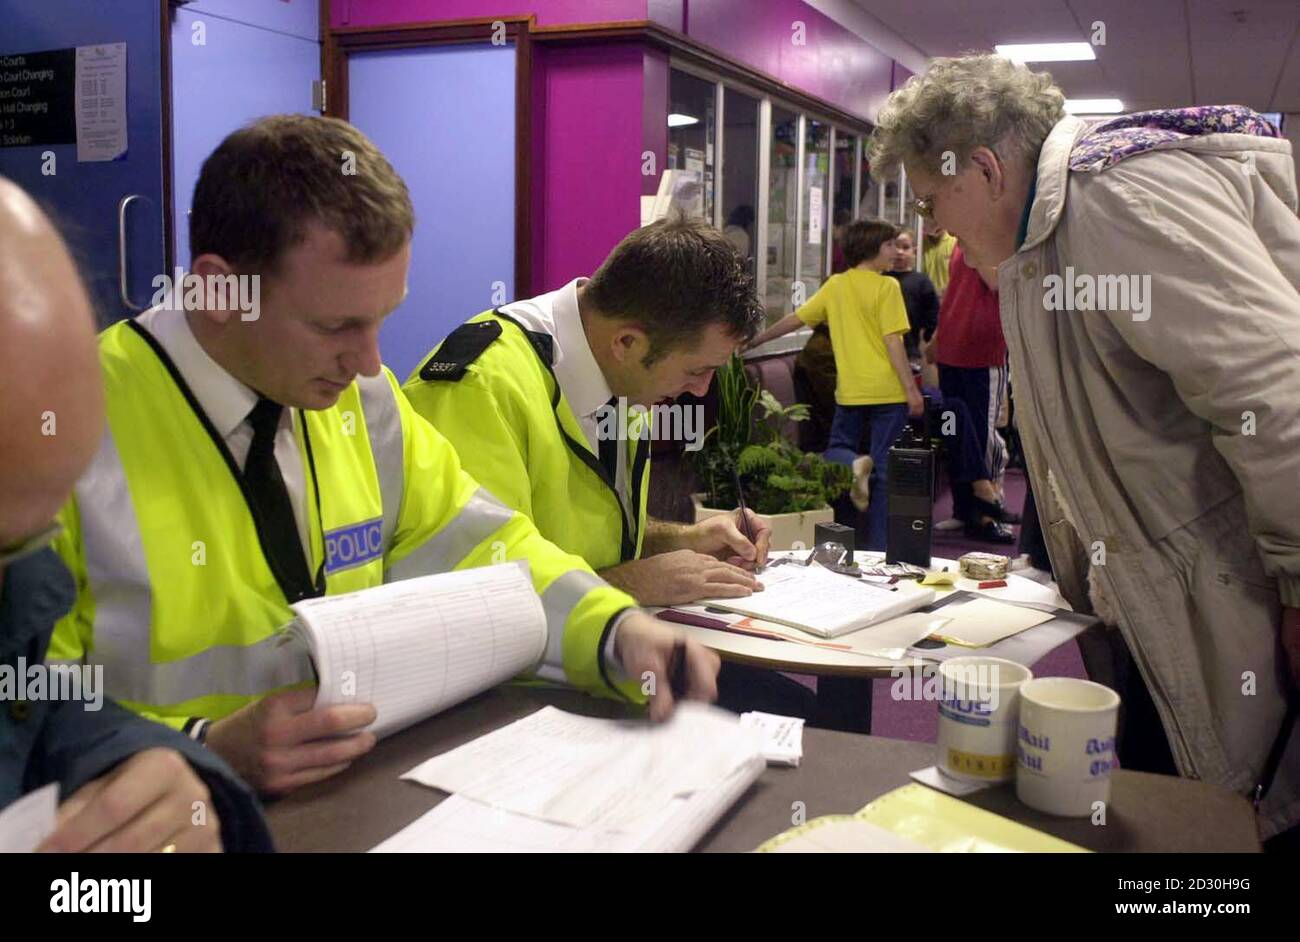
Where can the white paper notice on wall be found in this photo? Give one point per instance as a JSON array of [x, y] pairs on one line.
[[101, 102], [814, 215]]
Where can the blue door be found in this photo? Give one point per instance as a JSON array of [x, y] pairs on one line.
[[445, 118], [233, 61], [111, 213]]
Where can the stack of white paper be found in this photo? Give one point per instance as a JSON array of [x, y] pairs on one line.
[[554, 781], [782, 736]]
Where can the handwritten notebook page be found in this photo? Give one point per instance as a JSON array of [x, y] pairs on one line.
[[418, 646], [822, 602]]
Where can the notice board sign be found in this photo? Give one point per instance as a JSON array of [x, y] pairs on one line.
[[66, 96], [38, 98]]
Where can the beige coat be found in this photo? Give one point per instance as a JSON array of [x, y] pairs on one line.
[[1170, 430]]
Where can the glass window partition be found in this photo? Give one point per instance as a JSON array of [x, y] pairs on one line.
[[782, 195], [739, 192]]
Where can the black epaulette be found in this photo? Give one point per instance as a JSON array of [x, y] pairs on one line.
[[544, 344], [462, 347]]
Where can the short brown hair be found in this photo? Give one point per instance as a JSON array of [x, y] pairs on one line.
[[673, 278], [862, 239], [264, 184]]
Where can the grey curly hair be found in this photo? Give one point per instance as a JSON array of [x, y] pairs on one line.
[[960, 104]]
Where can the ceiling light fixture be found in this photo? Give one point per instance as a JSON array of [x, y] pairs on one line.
[[1046, 52]]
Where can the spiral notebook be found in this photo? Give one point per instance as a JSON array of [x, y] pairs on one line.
[[415, 647]]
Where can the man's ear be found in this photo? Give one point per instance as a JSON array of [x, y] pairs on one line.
[[207, 266], [629, 344]]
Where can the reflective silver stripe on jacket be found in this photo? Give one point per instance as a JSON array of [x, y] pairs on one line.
[[480, 517], [384, 428], [558, 602], [119, 584]]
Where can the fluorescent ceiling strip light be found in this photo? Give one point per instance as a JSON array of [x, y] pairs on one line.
[[1046, 52]]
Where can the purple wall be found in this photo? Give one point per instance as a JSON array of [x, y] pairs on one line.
[[654, 123], [670, 13], [832, 63], [597, 108], [588, 137], [549, 12]]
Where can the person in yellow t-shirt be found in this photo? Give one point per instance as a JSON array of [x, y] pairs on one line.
[[936, 253], [874, 389]]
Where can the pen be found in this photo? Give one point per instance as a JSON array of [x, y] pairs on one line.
[[744, 519], [677, 670]]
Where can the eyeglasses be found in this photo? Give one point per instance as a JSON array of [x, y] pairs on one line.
[[924, 206], [11, 554]]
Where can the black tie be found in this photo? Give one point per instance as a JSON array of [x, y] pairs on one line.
[[608, 447], [272, 509]]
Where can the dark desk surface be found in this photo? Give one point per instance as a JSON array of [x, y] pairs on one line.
[[840, 773]]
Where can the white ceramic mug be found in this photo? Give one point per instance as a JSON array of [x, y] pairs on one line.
[[1065, 746], [978, 704]]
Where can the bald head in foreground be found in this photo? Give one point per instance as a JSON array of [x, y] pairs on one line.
[[52, 410]]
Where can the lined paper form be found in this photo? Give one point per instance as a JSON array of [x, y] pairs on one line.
[[463, 825], [418, 646], [604, 775], [553, 781], [824, 603]]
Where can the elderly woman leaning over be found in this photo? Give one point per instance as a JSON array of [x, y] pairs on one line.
[[1148, 269]]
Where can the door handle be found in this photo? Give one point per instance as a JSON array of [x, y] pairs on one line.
[[123, 288]]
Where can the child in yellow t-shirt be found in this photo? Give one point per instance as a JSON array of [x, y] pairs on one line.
[[874, 389]]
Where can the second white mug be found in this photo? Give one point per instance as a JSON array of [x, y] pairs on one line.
[[1065, 745]]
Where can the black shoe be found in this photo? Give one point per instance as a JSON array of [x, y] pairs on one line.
[[995, 509], [990, 532]]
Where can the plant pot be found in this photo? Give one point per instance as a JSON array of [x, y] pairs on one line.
[[789, 531]]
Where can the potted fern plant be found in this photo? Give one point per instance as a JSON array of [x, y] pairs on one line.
[[793, 489]]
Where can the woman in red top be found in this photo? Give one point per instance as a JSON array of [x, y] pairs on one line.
[[972, 358]]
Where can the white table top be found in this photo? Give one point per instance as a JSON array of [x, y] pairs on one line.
[[829, 657]]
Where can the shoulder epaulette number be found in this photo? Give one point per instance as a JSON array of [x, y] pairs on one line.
[[462, 347]]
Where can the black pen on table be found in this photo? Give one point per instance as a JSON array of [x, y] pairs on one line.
[[744, 520]]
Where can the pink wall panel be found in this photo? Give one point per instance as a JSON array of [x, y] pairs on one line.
[[588, 139]]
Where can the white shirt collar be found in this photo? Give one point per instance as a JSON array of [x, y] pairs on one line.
[[579, 375], [224, 399]]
